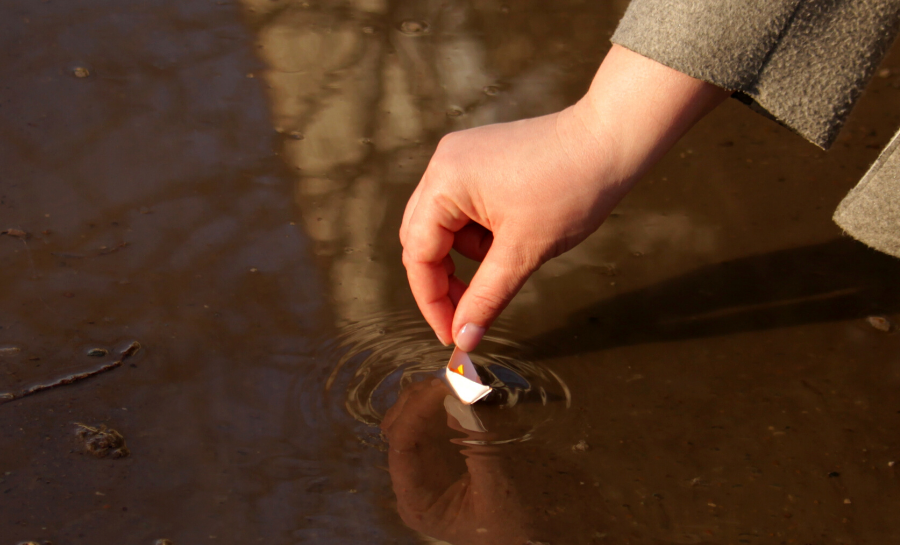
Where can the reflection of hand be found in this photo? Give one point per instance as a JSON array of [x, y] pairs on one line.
[[473, 504], [514, 195]]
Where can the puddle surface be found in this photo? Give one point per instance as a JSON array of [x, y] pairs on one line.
[[379, 358], [223, 184]]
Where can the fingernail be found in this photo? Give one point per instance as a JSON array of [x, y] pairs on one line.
[[443, 342], [469, 337]]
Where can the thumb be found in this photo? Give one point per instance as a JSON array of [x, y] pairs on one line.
[[499, 278]]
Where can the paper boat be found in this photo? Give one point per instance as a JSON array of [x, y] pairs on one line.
[[464, 379]]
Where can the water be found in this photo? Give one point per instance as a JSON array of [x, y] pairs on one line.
[[225, 188], [379, 358]]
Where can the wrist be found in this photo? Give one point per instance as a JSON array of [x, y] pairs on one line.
[[639, 108]]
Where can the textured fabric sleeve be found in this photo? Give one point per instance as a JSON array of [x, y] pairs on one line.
[[801, 62], [870, 213]]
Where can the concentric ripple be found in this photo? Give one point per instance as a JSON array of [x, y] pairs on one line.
[[379, 357]]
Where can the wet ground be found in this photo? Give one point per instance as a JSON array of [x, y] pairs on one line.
[[222, 183]]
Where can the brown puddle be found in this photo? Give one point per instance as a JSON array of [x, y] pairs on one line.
[[223, 184]]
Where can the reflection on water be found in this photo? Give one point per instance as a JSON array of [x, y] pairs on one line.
[[225, 187], [360, 92], [465, 498], [384, 355]]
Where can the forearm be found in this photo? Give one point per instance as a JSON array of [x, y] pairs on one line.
[[638, 108]]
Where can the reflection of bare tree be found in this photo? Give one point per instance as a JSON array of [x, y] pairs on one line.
[[356, 92]]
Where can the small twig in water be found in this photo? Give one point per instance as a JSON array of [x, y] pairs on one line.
[[127, 353], [101, 252]]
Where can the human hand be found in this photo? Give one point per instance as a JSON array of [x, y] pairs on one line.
[[473, 503], [514, 195]]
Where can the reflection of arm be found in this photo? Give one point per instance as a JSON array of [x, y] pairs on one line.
[[466, 499], [803, 62]]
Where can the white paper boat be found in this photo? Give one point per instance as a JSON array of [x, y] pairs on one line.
[[464, 379]]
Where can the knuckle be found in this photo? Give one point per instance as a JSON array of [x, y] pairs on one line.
[[447, 141], [407, 258], [445, 156]]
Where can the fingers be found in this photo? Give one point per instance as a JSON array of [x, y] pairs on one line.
[[500, 276], [427, 240], [431, 289], [473, 241], [457, 288], [449, 265], [408, 212]]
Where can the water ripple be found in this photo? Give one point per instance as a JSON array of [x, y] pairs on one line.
[[379, 357]]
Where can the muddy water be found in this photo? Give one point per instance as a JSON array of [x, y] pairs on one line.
[[222, 184]]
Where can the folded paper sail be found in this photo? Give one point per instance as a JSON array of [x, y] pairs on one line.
[[464, 379]]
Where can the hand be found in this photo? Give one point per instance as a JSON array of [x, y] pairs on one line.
[[514, 195], [471, 504]]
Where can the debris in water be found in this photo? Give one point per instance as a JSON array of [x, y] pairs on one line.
[[104, 250], [102, 441], [81, 72], [127, 353], [97, 352], [18, 233], [581, 446], [881, 323], [9, 350], [163, 542], [414, 28], [131, 350]]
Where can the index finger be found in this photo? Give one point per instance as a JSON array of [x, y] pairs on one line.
[[427, 242]]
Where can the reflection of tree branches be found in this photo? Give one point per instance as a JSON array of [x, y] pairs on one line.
[[351, 87]]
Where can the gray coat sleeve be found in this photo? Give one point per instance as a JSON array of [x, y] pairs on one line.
[[870, 213], [801, 62]]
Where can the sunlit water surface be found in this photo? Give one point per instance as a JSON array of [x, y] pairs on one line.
[[224, 184], [377, 358]]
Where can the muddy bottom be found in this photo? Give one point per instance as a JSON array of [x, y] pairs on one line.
[[222, 184]]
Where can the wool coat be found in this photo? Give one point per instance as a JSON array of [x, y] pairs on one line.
[[803, 63]]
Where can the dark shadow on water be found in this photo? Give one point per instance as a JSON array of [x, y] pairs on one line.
[[833, 281]]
